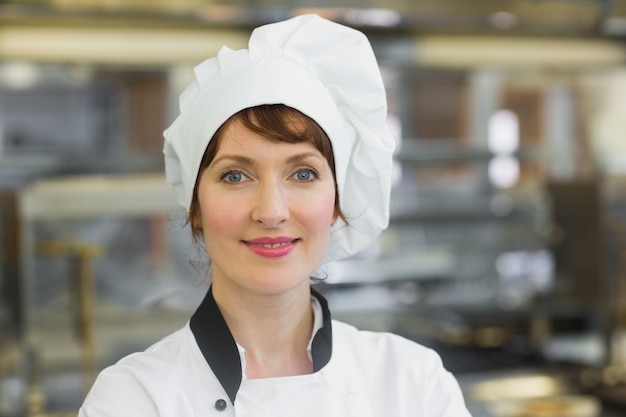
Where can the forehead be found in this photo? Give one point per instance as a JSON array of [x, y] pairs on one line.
[[237, 138]]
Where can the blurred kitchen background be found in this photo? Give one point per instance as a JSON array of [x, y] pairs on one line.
[[507, 245]]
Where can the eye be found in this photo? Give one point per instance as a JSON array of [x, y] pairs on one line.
[[305, 175], [234, 177]]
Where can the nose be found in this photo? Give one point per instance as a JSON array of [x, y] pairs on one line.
[[270, 208]]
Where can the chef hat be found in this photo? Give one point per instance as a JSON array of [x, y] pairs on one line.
[[326, 71]]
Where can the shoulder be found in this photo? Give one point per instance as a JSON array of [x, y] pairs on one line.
[[161, 357], [387, 346], [140, 383], [394, 365]]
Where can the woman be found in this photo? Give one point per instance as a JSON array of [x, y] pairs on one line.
[[283, 159]]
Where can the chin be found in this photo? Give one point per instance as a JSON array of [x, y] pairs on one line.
[[277, 284]]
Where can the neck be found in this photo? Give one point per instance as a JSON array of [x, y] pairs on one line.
[[274, 330]]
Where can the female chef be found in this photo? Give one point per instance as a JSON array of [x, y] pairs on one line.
[[282, 157]]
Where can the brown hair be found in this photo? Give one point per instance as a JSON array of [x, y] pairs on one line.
[[273, 121]]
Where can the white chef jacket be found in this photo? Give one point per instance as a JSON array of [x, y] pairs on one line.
[[199, 370]]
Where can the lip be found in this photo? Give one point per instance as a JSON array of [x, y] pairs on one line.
[[272, 247]]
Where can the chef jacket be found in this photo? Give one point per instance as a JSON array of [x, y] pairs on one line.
[[199, 370]]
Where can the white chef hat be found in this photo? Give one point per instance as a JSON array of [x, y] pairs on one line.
[[323, 69]]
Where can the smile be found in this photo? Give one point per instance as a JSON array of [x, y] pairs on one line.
[[274, 245], [271, 247]]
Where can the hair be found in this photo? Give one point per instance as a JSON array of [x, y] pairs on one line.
[[275, 122]]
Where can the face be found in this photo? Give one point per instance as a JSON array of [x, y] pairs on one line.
[[266, 208]]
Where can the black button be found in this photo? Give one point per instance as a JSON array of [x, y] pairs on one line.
[[220, 405]]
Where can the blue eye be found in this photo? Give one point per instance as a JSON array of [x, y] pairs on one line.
[[234, 177], [305, 175]]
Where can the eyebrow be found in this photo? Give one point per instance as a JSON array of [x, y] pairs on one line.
[[245, 160], [304, 155]]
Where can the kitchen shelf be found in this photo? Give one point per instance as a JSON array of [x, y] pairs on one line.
[[421, 153]]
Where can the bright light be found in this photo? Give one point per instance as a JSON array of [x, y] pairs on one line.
[[504, 171], [19, 75], [503, 142], [503, 20], [374, 17], [503, 132]]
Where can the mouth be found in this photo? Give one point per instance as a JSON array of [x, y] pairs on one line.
[[271, 242], [271, 247]]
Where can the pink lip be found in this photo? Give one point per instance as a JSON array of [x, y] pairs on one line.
[[272, 247]]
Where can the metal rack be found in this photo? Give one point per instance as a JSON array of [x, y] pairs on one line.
[[60, 200]]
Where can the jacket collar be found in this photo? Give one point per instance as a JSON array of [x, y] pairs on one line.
[[220, 350]]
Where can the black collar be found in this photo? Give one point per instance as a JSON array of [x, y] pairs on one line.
[[220, 350]]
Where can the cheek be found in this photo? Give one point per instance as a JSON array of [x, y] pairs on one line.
[[320, 211], [219, 219]]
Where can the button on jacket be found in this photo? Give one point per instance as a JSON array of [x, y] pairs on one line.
[[200, 371]]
